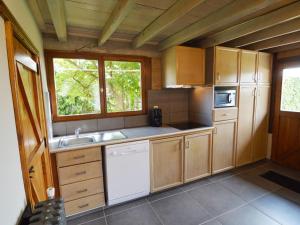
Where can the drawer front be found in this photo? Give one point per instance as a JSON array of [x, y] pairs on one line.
[[225, 114], [72, 174], [84, 204], [78, 156], [82, 189]]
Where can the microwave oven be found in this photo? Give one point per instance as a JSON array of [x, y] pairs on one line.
[[225, 97]]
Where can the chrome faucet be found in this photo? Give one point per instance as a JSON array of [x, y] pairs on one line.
[[77, 132]]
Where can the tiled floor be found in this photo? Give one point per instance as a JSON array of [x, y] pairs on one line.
[[237, 197]]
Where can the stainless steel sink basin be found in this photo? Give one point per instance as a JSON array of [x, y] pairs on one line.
[[112, 135], [71, 141]]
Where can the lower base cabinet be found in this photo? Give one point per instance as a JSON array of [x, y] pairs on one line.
[[166, 163], [197, 156], [178, 160], [224, 146]]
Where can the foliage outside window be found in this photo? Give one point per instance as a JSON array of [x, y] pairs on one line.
[[92, 86], [123, 86], [76, 86], [290, 93]]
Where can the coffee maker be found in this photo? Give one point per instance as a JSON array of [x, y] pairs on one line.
[[155, 117]]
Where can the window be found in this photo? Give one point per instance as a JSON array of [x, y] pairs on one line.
[[290, 92], [85, 86]]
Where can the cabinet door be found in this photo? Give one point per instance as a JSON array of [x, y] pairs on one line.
[[264, 68], [245, 124], [190, 66], [197, 156], [166, 163], [261, 123], [248, 66], [226, 65], [224, 146]]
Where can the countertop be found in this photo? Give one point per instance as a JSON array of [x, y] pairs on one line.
[[132, 134]]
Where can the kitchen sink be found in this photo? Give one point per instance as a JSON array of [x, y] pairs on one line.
[[112, 135], [71, 141]]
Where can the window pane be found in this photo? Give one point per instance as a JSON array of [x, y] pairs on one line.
[[77, 86], [123, 86], [290, 93]]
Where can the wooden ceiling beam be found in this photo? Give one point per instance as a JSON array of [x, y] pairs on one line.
[[34, 7], [117, 16], [58, 16], [216, 20], [176, 11], [275, 31], [281, 15], [276, 42]]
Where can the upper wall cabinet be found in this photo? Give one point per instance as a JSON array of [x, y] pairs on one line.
[[248, 67], [222, 66], [264, 68], [183, 66]]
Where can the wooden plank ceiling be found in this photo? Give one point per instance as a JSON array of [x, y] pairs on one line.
[[268, 25]]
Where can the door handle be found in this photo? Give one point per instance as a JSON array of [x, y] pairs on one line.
[[187, 144], [31, 170]]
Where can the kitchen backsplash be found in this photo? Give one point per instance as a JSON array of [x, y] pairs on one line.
[[173, 102]]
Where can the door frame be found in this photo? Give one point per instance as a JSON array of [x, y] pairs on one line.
[[280, 65], [10, 36]]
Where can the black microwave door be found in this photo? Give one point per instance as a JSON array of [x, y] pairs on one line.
[[222, 99]]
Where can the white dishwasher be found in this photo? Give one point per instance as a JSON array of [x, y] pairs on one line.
[[127, 171]]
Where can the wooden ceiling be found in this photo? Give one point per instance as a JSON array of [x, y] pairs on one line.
[[269, 25]]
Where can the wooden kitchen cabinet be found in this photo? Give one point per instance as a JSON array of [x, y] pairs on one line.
[[197, 155], [156, 76], [264, 68], [224, 139], [183, 66], [166, 163], [248, 67], [226, 65], [261, 122], [245, 124]]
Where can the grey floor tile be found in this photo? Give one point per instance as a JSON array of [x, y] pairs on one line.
[[244, 188], [213, 222], [288, 194], [125, 206], [249, 167], [222, 176], [180, 209], [281, 208], [141, 215], [261, 182], [216, 199], [164, 194], [96, 222], [246, 215], [195, 184], [85, 218]]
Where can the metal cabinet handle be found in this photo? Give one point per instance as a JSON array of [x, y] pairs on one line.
[[83, 206], [215, 130], [79, 157], [82, 191], [80, 173]]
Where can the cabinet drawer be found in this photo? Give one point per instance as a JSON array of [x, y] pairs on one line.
[[78, 156], [225, 114], [84, 204], [71, 174], [82, 189]]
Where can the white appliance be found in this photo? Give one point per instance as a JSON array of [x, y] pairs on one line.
[[127, 171]]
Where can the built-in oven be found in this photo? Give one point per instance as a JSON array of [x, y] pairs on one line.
[[225, 97]]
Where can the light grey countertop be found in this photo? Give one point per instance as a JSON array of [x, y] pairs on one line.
[[132, 134]]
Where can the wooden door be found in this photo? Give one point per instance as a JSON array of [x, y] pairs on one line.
[[261, 122], [30, 118], [166, 163], [224, 139], [226, 65], [248, 67], [286, 125], [245, 124], [190, 65], [197, 156], [264, 68]]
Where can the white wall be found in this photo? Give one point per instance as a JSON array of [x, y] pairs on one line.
[[22, 13], [12, 194]]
